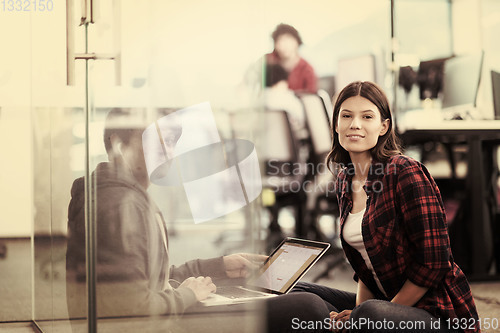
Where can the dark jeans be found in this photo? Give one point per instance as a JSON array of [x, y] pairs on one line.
[[374, 315], [297, 312]]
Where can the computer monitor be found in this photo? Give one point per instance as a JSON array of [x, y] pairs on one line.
[[462, 75], [430, 78], [495, 85]]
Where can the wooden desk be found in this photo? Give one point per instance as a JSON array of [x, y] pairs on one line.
[[482, 138]]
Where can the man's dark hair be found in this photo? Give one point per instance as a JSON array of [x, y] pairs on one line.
[[122, 122], [274, 74], [282, 29]]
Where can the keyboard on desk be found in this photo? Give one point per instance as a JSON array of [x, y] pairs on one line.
[[237, 292]]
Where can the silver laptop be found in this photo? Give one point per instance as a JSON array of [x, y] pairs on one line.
[[277, 276]]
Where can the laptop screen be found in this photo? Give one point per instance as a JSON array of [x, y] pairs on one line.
[[287, 264]]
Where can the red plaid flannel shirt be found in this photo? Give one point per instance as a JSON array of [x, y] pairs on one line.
[[406, 237]]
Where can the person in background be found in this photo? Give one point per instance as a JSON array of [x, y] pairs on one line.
[[278, 96], [393, 229], [287, 41]]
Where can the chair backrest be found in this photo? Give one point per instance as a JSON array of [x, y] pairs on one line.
[[318, 124], [272, 135], [327, 102]]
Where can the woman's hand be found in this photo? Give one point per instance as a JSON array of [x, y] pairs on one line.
[[242, 264], [339, 319]]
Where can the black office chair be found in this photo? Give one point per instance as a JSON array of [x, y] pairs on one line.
[[318, 127], [321, 199], [327, 104], [282, 171]]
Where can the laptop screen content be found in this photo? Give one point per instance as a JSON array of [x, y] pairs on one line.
[[286, 265]]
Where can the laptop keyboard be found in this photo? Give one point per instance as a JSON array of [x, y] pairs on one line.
[[236, 292]]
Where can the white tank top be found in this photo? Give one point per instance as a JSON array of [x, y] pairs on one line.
[[354, 237]]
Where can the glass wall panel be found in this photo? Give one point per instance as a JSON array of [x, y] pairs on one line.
[[144, 221], [15, 170], [140, 163], [423, 28], [56, 113], [112, 202], [489, 95]]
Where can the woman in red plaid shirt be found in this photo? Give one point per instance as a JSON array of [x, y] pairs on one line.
[[393, 230]]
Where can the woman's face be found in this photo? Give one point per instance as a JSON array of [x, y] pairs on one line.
[[359, 125], [286, 46]]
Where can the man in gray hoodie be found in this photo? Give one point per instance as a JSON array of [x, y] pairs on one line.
[[132, 256]]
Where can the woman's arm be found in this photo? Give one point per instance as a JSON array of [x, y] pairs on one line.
[[409, 294], [424, 224], [363, 293]]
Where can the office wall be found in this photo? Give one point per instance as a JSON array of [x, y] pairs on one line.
[[15, 127], [15, 172], [476, 27], [490, 30], [466, 25]]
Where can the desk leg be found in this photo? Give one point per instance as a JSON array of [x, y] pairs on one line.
[[451, 158], [478, 219]]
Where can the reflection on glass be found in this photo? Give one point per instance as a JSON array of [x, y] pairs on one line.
[[185, 148], [52, 142], [133, 267]]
